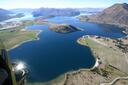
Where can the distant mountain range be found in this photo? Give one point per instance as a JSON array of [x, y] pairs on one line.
[[3, 11], [90, 10], [7, 14], [55, 12], [22, 10], [4, 14], [46, 12], [116, 14]]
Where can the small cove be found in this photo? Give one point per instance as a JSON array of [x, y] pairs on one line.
[[55, 54]]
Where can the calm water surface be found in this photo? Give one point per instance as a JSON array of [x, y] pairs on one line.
[[55, 53]]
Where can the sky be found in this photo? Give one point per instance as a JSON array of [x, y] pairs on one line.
[[12, 4]]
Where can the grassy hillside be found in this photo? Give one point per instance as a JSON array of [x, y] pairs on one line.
[[107, 55], [12, 37]]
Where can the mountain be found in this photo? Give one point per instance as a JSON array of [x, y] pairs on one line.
[[23, 10], [4, 14], [116, 14], [55, 12], [90, 10], [8, 14], [3, 11]]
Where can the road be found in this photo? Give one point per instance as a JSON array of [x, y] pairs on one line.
[[115, 80]]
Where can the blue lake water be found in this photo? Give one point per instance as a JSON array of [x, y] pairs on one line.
[[28, 16], [55, 53]]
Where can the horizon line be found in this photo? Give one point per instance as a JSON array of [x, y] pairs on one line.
[[56, 8]]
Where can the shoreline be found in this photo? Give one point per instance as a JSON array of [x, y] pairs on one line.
[[96, 59], [72, 72], [65, 75], [17, 45], [63, 81], [121, 26], [81, 69], [97, 63]]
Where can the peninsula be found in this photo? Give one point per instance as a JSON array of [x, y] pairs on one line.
[[117, 15], [110, 55], [14, 34]]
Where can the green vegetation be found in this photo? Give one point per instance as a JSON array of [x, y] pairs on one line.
[[8, 66], [93, 77], [63, 28], [110, 65], [109, 70], [1, 45], [15, 36], [107, 55]]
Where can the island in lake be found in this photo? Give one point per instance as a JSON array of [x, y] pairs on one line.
[[63, 28], [70, 50]]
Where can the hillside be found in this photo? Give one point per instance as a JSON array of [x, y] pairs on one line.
[[116, 14], [55, 12], [8, 14], [90, 10], [4, 14], [63, 28], [22, 10], [3, 11]]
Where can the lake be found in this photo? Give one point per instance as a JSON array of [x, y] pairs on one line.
[[55, 53]]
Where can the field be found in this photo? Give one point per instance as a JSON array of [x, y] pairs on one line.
[[107, 54], [14, 36], [107, 72]]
